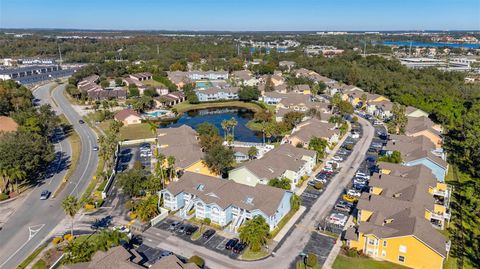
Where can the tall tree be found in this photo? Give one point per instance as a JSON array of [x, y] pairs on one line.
[[254, 232], [70, 206]]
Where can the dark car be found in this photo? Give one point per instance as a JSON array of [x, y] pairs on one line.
[[44, 195], [238, 248], [174, 225], [81, 121], [231, 243], [181, 229], [190, 229], [209, 233], [136, 240], [342, 208]]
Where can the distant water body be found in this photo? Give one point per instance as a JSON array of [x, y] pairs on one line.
[[432, 44]]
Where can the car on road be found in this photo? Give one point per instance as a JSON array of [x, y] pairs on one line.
[[231, 243], [355, 135], [191, 229], [173, 225], [81, 121], [95, 148], [239, 247], [44, 195], [166, 253], [209, 233]]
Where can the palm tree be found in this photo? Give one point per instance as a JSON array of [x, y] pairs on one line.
[[233, 124], [171, 165], [159, 167], [16, 174], [5, 178], [226, 128], [70, 206]]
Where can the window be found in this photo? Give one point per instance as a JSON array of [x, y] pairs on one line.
[[403, 249], [384, 243], [401, 258], [384, 253], [371, 241]]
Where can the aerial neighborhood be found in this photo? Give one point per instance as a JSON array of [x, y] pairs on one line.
[[183, 150]]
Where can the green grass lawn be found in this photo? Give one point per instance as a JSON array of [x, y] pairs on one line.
[[136, 131], [301, 265], [251, 256], [40, 265], [344, 262], [32, 256]]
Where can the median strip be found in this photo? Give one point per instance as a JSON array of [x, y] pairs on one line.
[[75, 145]]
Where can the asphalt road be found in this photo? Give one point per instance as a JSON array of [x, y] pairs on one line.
[[34, 220], [296, 240]]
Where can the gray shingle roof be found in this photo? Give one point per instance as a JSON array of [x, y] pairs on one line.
[[180, 142], [227, 192]]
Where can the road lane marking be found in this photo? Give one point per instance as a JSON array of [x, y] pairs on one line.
[[32, 234]]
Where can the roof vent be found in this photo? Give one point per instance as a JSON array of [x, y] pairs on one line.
[[398, 194], [387, 221], [248, 200]]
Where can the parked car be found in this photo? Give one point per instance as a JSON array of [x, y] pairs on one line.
[[231, 243], [361, 174], [342, 202], [337, 158], [377, 122], [239, 247], [349, 198], [209, 233], [358, 180], [191, 229], [327, 170], [166, 253], [338, 219], [321, 180], [173, 225], [342, 207], [44, 195], [181, 229], [353, 192]]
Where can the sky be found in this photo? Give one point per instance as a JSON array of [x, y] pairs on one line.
[[242, 15]]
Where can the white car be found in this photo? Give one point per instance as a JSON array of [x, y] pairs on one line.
[[362, 175], [353, 192], [337, 158], [377, 122], [328, 169], [355, 135], [338, 219], [359, 180]]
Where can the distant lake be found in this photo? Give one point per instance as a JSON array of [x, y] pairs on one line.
[[215, 116], [431, 44]]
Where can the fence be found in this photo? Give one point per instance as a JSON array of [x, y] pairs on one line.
[[163, 214], [112, 176]]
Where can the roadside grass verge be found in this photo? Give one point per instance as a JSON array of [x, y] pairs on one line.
[[282, 223], [76, 146], [32, 256], [344, 262]]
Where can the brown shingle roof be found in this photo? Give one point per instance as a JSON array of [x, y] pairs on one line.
[[277, 161], [180, 142], [123, 114], [225, 193], [314, 128]]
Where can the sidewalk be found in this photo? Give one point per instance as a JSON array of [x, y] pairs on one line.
[[332, 256], [289, 224]]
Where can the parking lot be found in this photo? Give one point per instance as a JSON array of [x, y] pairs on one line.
[[215, 242], [320, 245]]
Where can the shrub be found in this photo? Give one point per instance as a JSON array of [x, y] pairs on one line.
[[3, 196], [349, 146], [318, 185], [57, 240], [89, 206], [197, 260], [311, 260], [207, 221], [68, 237], [133, 216]]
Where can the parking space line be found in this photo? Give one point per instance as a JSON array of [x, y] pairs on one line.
[[208, 239], [221, 245]]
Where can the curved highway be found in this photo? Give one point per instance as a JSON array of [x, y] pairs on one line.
[[34, 220]]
